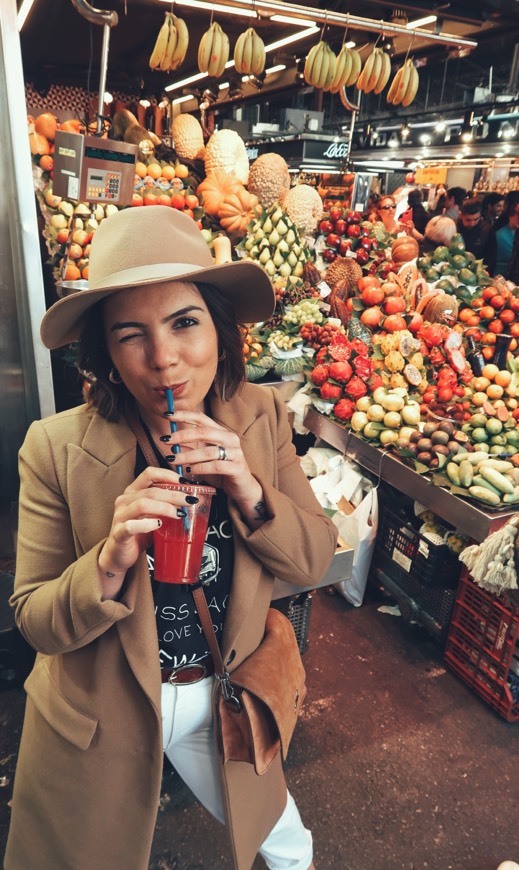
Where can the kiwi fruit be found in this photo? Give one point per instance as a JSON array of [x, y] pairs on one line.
[[439, 437], [424, 444], [425, 457]]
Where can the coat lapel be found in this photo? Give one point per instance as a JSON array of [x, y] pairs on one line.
[[106, 460]]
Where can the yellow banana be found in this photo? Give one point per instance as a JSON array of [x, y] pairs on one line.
[[414, 81], [403, 83], [342, 70], [161, 44], [223, 53], [355, 67], [247, 53], [318, 65], [258, 54], [165, 63], [363, 79], [204, 49], [238, 51], [214, 60], [310, 63], [332, 67], [182, 42], [394, 85], [376, 66], [385, 72], [323, 73]]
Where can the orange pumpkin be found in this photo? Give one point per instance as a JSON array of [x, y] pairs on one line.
[[404, 249], [237, 211], [215, 188]]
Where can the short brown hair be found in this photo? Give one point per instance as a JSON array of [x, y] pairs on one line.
[[94, 360]]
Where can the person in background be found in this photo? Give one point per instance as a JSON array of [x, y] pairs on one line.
[[504, 239], [416, 211], [453, 201], [123, 672], [385, 217], [493, 206], [439, 231], [511, 199], [474, 230]]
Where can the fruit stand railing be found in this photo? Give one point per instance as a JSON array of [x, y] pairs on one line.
[[465, 516]]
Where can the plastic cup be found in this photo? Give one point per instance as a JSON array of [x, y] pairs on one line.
[[179, 543]]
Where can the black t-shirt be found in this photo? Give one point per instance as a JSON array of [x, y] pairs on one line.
[[181, 639]]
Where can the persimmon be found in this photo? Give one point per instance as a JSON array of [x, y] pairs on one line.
[[192, 201], [496, 326], [137, 199], [465, 315], [149, 198], [488, 353], [489, 338], [164, 199], [498, 301], [178, 201], [394, 323], [47, 163], [514, 330], [372, 295], [394, 305], [371, 316], [391, 288], [473, 320], [72, 273], [367, 281], [505, 316], [487, 312], [489, 291]]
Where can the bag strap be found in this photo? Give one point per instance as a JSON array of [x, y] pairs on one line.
[[132, 418]]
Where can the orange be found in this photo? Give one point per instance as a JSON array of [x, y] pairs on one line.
[[488, 353], [141, 169], [514, 330], [72, 273], [181, 171], [489, 291], [84, 272], [192, 201], [494, 391], [498, 301], [476, 302], [490, 371], [473, 321], [513, 345], [368, 281], [503, 378], [487, 313], [47, 164], [489, 338], [39, 144], [154, 170], [496, 326], [480, 384], [465, 315], [505, 316], [178, 201], [371, 317], [137, 199], [168, 172]]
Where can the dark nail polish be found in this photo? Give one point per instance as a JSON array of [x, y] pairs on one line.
[[181, 513], [170, 458], [167, 414], [183, 480], [188, 469], [191, 499], [159, 523], [165, 438]]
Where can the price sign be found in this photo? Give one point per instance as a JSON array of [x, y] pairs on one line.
[[431, 175]]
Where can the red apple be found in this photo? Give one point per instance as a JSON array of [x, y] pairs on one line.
[[354, 231], [356, 217], [340, 226], [333, 240], [362, 256], [326, 227], [344, 246], [329, 255], [335, 214], [366, 244]]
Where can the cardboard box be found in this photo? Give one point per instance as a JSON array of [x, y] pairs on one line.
[[340, 569]]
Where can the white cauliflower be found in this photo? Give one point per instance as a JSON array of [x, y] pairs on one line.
[[226, 150], [269, 178], [304, 207]]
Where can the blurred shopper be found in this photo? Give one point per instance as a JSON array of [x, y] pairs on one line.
[[493, 207], [440, 230], [473, 228], [502, 241], [416, 211], [453, 202], [385, 216]]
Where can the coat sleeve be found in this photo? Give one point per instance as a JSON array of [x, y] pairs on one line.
[[298, 542], [57, 595]]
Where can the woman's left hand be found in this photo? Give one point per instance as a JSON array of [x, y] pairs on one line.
[[208, 449]]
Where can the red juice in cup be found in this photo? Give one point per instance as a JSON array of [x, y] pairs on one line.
[[179, 543]]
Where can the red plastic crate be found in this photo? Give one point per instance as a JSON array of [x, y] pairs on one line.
[[483, 635]]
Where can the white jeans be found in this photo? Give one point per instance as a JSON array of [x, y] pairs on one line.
[[187, 726]]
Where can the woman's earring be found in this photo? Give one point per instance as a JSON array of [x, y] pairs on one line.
[[114, 377]]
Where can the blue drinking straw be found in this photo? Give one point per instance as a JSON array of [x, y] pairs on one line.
[[176, 448]]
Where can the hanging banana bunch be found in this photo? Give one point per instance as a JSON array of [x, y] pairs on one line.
[[404, 85], [375, 73], [320, 66], [213, 51], [171, 45], [347, 69], [249, 53]]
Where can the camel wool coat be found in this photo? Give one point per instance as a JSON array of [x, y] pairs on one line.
[[88, 778]]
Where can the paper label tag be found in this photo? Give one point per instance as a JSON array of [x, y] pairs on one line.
[[402, 560], [324, 289], [73, 188]]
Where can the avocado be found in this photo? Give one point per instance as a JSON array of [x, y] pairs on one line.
[[432, 275], [440, 254], [445, 285], [468, 277], [459, 261], [457, 245]]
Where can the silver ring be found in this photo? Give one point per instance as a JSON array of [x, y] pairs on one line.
[[221, 452]]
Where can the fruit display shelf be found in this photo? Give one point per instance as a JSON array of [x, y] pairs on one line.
[[467, 517]]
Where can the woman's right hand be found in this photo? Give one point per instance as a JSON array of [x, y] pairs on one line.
[[138, 513]]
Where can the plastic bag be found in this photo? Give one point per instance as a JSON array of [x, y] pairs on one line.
[[359, 530]]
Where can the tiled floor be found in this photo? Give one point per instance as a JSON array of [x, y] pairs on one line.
[[396, 764]]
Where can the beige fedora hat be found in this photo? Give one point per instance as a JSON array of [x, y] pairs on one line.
[[151, 245]]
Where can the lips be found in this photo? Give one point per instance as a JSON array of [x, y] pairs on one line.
[[176, 389]]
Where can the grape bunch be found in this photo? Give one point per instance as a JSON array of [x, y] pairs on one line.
[[307, 310], [317, 336]]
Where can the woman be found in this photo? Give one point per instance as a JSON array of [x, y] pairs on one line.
[[385, 209], [500, 248], [114, 683], [416, 213]]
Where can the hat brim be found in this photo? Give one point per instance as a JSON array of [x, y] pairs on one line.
[[244, 283]]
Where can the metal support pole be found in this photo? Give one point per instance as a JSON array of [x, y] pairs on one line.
[[107, 19]]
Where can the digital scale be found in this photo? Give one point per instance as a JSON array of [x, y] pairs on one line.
[[92, 169]]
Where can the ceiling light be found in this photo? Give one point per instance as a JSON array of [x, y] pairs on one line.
[[217, 7], [145, 102], [425, 139], [223, 86], [421, 22], [299, 22], [277, 68], [182, 99], [24, 12], [466, 136], [107, 97], [351, 44], [188, 81], [440, 126], [459, 156]]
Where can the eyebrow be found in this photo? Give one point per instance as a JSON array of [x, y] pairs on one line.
[[127, 324]]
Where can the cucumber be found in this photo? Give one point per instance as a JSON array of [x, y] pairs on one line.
[[502, 483], [466, 473], [483, 494], [480, 481], [500, 465], [511, 498], [453, 473], [473, 458]]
